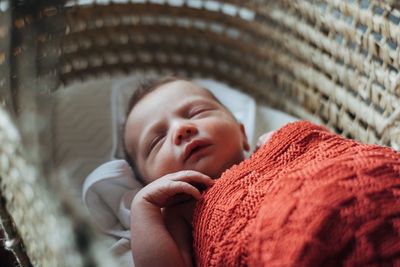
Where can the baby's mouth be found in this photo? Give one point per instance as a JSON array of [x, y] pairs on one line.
[[193, 148]]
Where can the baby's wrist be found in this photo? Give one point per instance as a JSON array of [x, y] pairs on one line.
[[145, 210], [140, 202]]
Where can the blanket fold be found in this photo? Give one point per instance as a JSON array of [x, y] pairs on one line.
[[306, 198]]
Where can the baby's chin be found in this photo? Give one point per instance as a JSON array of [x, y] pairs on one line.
[[213, 174], [215, 167], [217, 173]]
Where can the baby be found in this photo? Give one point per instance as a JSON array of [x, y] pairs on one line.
[[178, 137], [308, 198]]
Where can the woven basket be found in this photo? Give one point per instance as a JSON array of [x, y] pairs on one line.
[[333, 62]]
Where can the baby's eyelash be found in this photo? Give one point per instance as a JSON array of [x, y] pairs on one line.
[[197, 111], [153, 143]]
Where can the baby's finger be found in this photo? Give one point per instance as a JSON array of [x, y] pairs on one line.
[[184, 187], [178, 198], [191, 176], [161, 193]]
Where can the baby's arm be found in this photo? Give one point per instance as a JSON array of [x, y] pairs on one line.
[[152, 244]]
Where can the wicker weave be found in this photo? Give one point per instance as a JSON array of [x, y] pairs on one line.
[[334, 62]]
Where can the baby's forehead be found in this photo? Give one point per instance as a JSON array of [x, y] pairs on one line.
[[171, 97], [202, 95], [197, 90]]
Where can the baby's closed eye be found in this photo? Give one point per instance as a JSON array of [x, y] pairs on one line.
[[155, 141], [199, 111]]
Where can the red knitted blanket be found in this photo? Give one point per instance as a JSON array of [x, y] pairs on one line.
[[306, 198]]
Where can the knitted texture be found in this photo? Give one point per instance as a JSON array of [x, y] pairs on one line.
[[306, 198]]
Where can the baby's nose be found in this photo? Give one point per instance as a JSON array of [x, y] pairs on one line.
[[185, 132]]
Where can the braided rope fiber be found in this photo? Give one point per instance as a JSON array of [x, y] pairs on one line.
[[51, 236]]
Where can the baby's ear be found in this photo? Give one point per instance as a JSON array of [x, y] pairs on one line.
[[245, 142]]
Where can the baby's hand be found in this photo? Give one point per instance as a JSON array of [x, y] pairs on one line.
[[173, 188]]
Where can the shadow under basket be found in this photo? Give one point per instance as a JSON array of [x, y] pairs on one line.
[[332, 62]]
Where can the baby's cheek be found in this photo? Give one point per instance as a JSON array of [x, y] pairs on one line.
[[225, 128], [167, 162]]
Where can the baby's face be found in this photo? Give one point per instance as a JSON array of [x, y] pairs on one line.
[[180, 126]]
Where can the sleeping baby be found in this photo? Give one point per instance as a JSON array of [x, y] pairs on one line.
[[305, 197]]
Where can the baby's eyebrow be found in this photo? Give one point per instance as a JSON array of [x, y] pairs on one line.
[[195, 101], [151, 128]]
